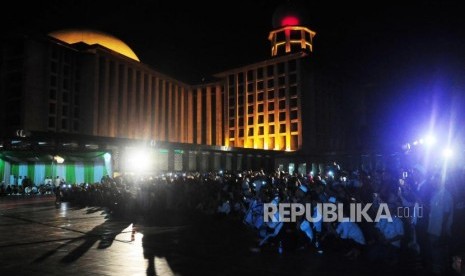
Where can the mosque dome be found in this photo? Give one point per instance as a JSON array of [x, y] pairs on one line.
[[91, 37], [290, 14]]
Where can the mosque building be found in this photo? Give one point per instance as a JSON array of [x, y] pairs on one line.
[[85, 95]]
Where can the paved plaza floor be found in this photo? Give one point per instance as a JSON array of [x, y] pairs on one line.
[[39, 238]]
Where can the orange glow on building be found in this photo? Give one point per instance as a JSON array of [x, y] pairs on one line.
[[91, 37], [290, 39]]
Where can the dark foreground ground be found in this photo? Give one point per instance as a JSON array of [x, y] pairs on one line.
[[38, 238]]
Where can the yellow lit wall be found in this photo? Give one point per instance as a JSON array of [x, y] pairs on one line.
[[91, 37]]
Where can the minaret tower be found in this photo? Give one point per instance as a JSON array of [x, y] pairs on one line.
[[289, 34]]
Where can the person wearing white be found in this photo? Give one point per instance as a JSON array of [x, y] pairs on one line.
[[392, 232], [350, 230], [439, 225]]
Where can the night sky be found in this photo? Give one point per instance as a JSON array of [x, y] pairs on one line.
[[407, 57]]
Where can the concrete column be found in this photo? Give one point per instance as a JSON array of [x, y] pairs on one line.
[[148, 108], [123, 100], [163, 112], [190, 116], [114, 99], [208, 109], [156, 122], [199, 116], [219, 117]]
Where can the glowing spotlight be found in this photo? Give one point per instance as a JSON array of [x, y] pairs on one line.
[[59, 159], [429, 140], [447, 153], [415, 143], [331, 173], [139, 160]]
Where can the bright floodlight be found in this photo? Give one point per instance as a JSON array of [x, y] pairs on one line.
[[139, 160], [429, 140], [447, 153]]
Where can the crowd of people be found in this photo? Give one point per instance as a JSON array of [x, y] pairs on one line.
[[427, 209]]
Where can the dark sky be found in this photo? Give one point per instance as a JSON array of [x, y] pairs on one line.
[[405, 56]]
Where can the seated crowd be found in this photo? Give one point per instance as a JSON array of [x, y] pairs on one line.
[[427, 209]]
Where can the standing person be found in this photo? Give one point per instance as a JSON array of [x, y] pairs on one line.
[[57, 184], [439, 225]]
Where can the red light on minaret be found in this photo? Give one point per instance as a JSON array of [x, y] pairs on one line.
[[289, 21]]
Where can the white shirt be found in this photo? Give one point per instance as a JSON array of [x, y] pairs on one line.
[[350, 230], [391, 229]]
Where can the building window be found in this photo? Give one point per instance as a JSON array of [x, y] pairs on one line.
[[51, 122], [260, 108], [260, 96], [281, 81], [292, 65], [240, 89], [76, 126], [270, 83], [65, 97], [232, 101], [64, 123], [292, 79], [76, 99], [231, 80], [64, 111], [240, 78], [260, 119], [260, 73], [260, 131], [270, 94], [260, 85], [282, 104], [281, 68], [270, 70], [294, 127], [282, 116], [231, 133], [250, 98], [293, 90], [250, 109], [250, 120], [282, 128], [250, 131], [295, 35], [241, 132], [240, 100], [52, 108], [293, 114], [271, 129], [250, 75], [250, 87], [282, 92], [53, 81], [241, 122], [270, 118], [76, 112], [293, 102], [53, 67], [271, 106], [66, 84]]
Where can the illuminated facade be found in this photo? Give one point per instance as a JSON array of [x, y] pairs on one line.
[[91, 83]]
